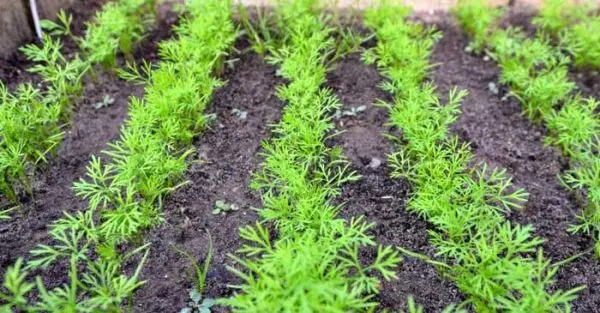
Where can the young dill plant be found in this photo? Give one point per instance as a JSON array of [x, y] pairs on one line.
[[556, 16], [149, 160], [538, 76], [116, 28], [581, 41], [477, 18], [29, 130], [64, 77], [585, 174], [125, 194], [315, 271], [32, 118], [574, 126], [92, 285], [536, 72]]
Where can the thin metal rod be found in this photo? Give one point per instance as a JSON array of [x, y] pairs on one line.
[[36, 18]]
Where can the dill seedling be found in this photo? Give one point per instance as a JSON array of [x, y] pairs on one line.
[[29, 130], [32, 118], [149, 159], [536, 72], [476, 18], [115, 29], [585, 174], [60, 28], [574, 126], [64, 77], [557, 15], [581, 41]]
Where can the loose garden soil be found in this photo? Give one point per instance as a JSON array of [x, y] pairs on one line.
[[228, 153]]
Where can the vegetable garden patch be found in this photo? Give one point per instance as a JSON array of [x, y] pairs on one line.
[[207, 157]]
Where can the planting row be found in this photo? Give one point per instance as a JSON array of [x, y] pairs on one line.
[[537, 73]]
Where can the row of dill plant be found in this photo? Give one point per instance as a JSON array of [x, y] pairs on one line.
[[310, 261], [537, 73], [126, 189], [499, 266], [575, 28], [32, 118]]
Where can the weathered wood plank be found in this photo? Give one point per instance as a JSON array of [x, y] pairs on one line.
[[14, 26], [49, 8]]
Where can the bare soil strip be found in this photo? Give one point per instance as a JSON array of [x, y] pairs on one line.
[[228, 154], [381, 199]]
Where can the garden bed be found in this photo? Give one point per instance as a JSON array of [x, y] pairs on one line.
[[229, 152]]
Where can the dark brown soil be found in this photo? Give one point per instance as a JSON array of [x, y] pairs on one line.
[[87, 134], [503, 137], [588, 82], [381, 199], [228, 154]]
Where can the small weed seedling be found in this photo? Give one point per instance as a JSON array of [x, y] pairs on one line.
[[105, 103], [354, 111], [5, 214], [242, 115], [198, 303], [223, 208]]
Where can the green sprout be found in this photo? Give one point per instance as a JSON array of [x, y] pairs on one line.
[[198, 303], [477, 18], [224, 208]]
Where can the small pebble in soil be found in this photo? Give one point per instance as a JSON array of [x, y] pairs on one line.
[[375, 163], [493, 88]]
